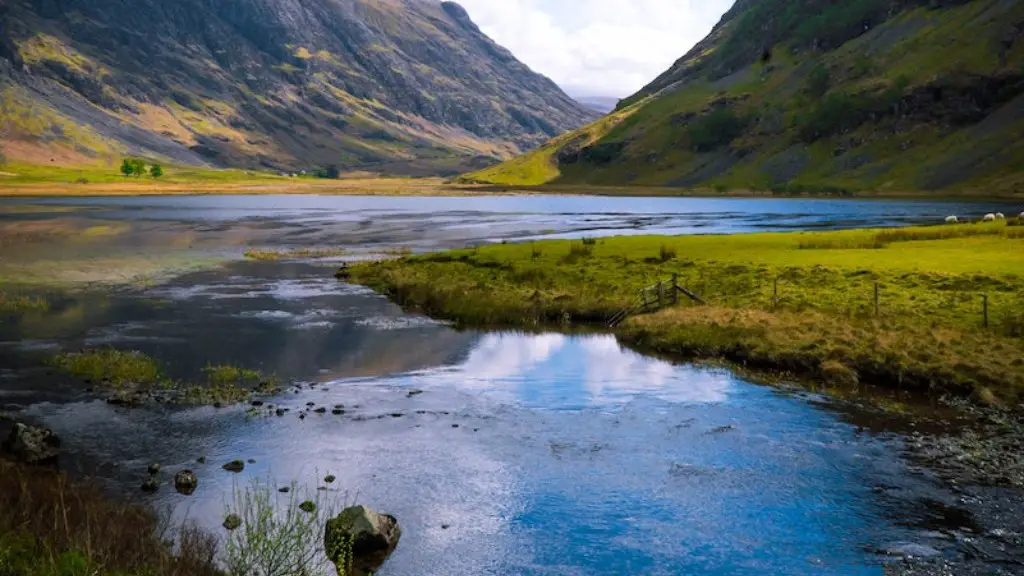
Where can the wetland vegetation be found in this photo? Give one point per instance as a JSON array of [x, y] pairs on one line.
[[947, 319]]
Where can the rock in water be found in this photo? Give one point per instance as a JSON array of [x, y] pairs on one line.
[[186, 482], [32, 444], [359, 540]]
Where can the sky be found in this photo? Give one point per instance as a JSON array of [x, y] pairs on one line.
[[597, 47]]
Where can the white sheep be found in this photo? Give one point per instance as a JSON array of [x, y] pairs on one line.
[[952, 220], [1000, 216], [989, 218]]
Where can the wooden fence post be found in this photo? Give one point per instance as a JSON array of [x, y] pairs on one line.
[[661, 294], [675, 289], [876, 300], [775, 296]]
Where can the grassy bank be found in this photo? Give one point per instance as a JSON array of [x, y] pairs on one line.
[[52, 526], [928, 334]]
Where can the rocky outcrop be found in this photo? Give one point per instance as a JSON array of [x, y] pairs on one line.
[[286, 83], [32, 444], [359, 540]]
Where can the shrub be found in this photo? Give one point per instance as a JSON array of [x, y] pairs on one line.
[[274, 541], [667, 253], [156, 171], [330, 172]]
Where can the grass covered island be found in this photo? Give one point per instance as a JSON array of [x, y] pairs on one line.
[[948, 318]]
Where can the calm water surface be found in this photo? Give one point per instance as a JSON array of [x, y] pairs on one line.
[[524, 454]]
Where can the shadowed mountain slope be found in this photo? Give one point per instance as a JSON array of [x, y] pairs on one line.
[[412, 85]]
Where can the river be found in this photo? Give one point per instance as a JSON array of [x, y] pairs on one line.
[[500, 453]]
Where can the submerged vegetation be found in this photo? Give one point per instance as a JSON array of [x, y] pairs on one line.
[[131, 377], [935, 309], [11, 304]]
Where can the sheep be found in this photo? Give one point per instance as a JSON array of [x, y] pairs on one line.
[[989, 218], [952, 220], [1000, 216]]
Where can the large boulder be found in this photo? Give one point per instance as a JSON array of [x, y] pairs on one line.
[[32, 444], [359, 540]]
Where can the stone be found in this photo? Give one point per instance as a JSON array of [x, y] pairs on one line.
[[911, 550], [359, 540], [257, 403], [284, 489], [321, 410], [186, 482], [235, 466], [330, 479], [153, 469], [337, 412], [150, 485], [32, 444], [414, 392], [308, 506], [232, 522]]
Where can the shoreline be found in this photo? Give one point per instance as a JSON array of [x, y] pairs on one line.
[[922, 332], [386, 186]]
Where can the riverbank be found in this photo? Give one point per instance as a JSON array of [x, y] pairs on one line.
[[53, 181], [51, 525], [928, 332]]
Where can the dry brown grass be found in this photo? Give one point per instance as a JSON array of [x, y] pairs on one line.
[[49, 523], [890, 352]]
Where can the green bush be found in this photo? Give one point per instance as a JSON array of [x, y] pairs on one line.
[[133, 167], [156, 171]]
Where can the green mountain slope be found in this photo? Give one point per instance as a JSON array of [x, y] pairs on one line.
[[407, 85], [818, 96]]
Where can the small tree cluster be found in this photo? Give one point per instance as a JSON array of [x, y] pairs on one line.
[[331, 172], [137, 167]]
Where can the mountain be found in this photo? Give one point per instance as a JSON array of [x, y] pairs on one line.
[[602, 104], [408, 84], [817, 96]]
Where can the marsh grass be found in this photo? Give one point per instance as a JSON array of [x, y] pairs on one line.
[[114, 368], [297, 254], [51, 526], [134, 377], [279, 539], [13, 304], [926, 286]]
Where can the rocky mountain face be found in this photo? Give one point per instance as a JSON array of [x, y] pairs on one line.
[[818, 96], [409, 84]]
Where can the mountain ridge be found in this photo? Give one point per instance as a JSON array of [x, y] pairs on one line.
[[817, 96], [268, 83]]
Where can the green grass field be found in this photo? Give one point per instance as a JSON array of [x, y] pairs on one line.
[[35, 173], [929, 332]]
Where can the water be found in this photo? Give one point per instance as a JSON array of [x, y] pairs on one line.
[[524, 453]]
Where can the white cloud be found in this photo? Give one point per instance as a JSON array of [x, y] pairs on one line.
[[597, 47]]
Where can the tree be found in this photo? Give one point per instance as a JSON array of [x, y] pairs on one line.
[[127, 167], [156, 171], [139, 167]]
